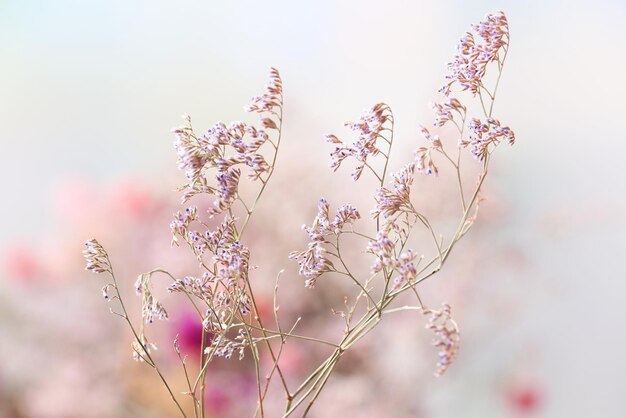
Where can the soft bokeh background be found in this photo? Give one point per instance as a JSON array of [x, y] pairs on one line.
[[90, 90]]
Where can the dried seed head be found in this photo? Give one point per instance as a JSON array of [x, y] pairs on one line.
[[271, 98], [314, 260], [447, 336], [484, 135], [150, 306], [443, 112], [96, 257], [424, 161], [469, 65], [395, 198], [369, 129]]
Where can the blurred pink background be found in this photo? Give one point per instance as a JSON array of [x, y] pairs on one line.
[[89, 92]]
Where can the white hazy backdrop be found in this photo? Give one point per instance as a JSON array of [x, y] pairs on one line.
[[91, 89]]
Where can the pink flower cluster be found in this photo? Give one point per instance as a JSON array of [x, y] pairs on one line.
[[369, 129], [484, 134], [470, 63]]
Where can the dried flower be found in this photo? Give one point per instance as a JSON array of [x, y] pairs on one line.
[[433, 139], [447, 336], [96, 257], [150, 306], [369, 128], [180, 225], [383, 248], [270, 99], [228, 184], [142, 349], [443, 112], [223, 346], [314, 260], [232, 261], [224, 147], [406, 268], [211, 150], [470, 63], [395, 199], [485, 134], [346, 214], [424, 161]]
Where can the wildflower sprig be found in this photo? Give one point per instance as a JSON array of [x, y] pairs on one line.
[[222, 294], [397, 269]]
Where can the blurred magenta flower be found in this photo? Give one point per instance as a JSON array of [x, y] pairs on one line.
[[188, 327]]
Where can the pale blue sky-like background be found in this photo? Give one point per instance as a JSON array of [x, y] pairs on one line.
[[90, 90]]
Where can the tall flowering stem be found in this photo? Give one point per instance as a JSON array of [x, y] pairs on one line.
[[98, 261], [399, 269], [214, 164]]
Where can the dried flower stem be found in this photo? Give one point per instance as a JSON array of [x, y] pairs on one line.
[[271, 169], [145, 354]]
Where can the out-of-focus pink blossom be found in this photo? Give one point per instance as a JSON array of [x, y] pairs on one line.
[[188, 327], [217, 400], [524, 396], [133, 200], [74, 201], [21, 263]]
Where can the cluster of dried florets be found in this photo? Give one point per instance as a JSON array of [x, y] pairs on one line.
[[180, 224], [222, 285], [314, 261], [485, 134], [470, 63], [223, 346], [397, 197], [270, 100], [384, 249], [142, 349], [96, 257], [370, 129], [423, 155], [150, 306], [447, 337], [222, 150], [444, 113]]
